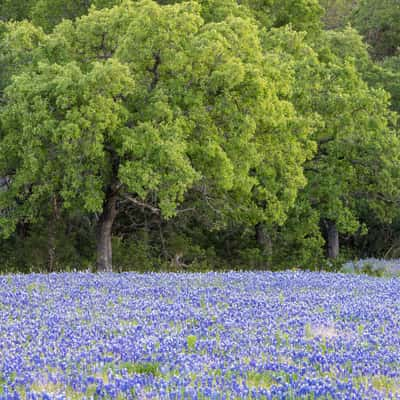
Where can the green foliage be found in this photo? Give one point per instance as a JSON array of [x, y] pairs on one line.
[[153, 106], [386, 74], [356, 137], [15, 10], [19, 43], [299, 242], [135, 255], [204, 119], [303, 15], [337, 13], [74, 248], [377, 21], [49, 13]]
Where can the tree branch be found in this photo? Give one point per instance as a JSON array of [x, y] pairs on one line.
[[139, 203], [154, 70]]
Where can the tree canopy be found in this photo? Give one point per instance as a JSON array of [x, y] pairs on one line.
[[202, 130]]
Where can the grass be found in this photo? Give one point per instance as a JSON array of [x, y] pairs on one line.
[[191, 342], [381, 383], [141, 368], [260, 380]]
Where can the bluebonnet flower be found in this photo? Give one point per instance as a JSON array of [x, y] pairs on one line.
[[258, 335]]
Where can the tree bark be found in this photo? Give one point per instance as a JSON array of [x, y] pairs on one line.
[[51, 236], [104, 234], [51, 248], [333, 239]]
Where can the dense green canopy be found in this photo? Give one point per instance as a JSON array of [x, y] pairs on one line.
[[191, 132]]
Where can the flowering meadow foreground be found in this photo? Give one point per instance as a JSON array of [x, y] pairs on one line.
[[258, 335]]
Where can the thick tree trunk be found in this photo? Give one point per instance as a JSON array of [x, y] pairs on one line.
[[333, 239], [104, 234], [264, 241]]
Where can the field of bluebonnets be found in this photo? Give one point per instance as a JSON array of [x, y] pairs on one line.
[[257, 335]]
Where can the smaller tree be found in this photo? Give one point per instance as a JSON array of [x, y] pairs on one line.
[[357, 158]]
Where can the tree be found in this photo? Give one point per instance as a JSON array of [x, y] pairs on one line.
[[377, 21], [15, 10], [49, 13], [145, 103], [19, 42], [358, 149], [357, 156], [302, 15], [337, 13]]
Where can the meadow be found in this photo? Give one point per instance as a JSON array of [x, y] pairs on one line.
[[253, 335]]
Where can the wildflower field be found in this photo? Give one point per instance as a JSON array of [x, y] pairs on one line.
[[264, 335]]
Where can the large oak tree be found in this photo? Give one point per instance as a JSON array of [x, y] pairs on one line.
[[145, 103]]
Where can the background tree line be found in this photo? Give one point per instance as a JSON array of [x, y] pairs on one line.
[[196, 135]]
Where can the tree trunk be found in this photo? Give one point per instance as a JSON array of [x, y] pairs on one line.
[[104, 234], [264, 241], [51, 248], [51, 236], [333, 239]]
